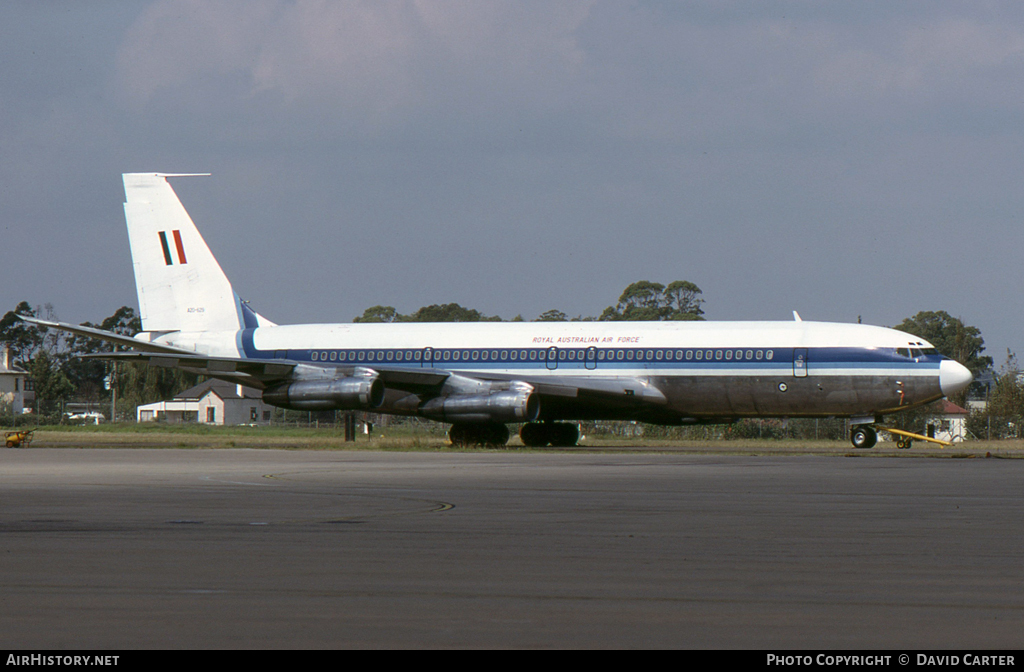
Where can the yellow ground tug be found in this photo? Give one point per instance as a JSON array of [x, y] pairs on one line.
[[19, 438], [906, 439]]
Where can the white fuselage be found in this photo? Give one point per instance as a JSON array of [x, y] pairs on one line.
[[703, 369]]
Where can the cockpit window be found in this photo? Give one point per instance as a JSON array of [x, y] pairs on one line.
[[929, 351], [903, 352]]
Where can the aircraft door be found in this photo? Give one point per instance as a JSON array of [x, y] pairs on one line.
[[591, 358], [552, 361], [800, 362], [428, 357]]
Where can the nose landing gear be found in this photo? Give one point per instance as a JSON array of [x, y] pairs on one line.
[[863, 436]]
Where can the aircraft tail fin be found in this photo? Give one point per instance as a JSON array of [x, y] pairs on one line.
[[181, 286]]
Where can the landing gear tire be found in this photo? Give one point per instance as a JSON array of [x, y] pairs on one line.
[[557, 434], [863, 436], [566, 435], [534, 435], [490, 435]]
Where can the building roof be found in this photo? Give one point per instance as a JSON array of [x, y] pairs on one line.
[[947, 407], [222, 389]]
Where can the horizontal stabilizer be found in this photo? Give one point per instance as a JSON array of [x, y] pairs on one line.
[[108, 336]]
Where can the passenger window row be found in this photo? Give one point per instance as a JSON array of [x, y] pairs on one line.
[[542, 355]]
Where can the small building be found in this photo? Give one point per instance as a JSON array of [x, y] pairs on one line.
[[949, 423], [214, 402], [182, 408], [13, 381]]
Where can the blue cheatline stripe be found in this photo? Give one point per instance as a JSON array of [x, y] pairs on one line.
[[767, 360], [167, 250]]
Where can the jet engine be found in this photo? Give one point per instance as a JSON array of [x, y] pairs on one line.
[[515, 405], [345, 394]]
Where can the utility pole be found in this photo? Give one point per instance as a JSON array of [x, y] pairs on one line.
[[111, 383], [350, 427]]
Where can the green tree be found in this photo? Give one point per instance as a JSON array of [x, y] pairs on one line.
[[22, 339], [684, 300], [87, 375], [124, 321], [378, 314], [552, 316], [652, 301], [449, 312], [50, 384], [1006, 399]]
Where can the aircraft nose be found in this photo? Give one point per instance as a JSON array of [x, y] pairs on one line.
[[953, 377]]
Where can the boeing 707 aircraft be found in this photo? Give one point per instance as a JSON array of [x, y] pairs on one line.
[[480, 377]]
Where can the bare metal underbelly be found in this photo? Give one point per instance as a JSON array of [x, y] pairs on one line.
[[790, 396], [710, 397]]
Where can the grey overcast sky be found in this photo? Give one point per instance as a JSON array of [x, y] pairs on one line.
[[839, 159]]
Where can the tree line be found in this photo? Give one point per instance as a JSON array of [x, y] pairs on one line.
[[643, 300], [59, 374]]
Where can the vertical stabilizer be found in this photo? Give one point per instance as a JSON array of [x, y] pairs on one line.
[[181, 286]]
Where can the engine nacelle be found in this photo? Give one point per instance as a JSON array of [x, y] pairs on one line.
[[344, 394], [516, 405]]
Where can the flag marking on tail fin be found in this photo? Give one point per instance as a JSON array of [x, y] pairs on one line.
[[181, 248], [167, 250], [177, 244]]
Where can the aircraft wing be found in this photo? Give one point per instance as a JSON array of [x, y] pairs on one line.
[[632, 396], [262, 373]]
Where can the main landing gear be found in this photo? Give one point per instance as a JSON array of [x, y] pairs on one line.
[[533, 434], [488, 434], [557, 434]]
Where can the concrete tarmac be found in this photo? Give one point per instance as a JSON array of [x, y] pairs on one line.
[[237, 548]]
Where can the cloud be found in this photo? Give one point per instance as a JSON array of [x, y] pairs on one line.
[[381, 60], [645, 72], [936, 59], [177, 47]]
